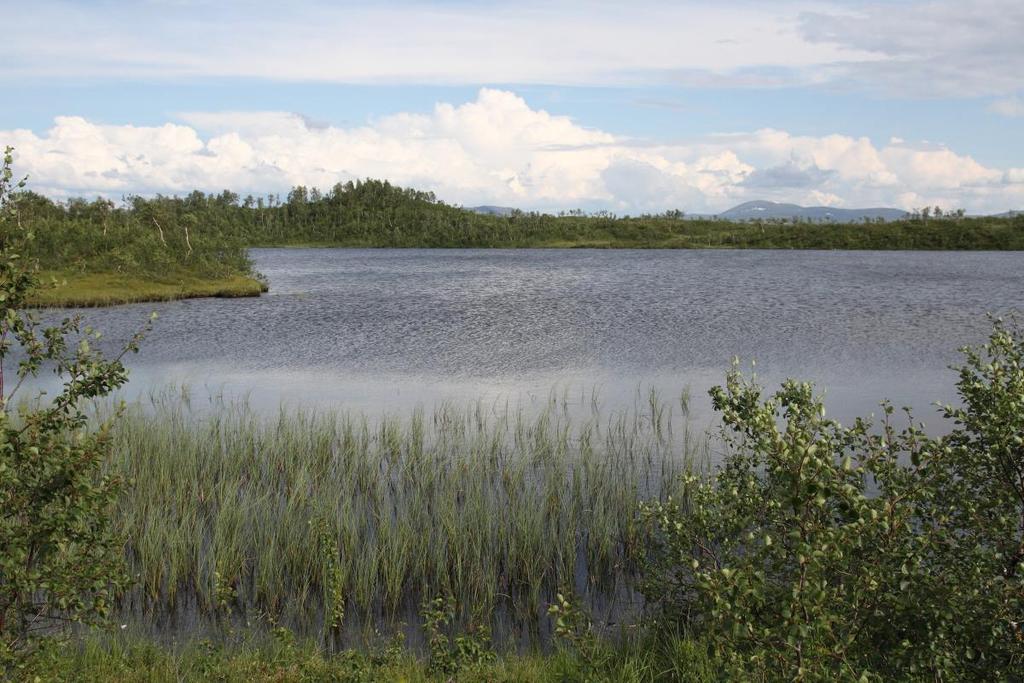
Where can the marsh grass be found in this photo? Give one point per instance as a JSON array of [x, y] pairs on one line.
[[312, 518], [75, 289]]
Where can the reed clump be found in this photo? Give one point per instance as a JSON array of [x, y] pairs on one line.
[[310, 517]]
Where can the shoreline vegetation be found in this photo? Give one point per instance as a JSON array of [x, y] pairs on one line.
[[88, 290], [160, 248], [479, 543]]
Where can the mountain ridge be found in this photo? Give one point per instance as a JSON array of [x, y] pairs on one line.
[[760, 209]]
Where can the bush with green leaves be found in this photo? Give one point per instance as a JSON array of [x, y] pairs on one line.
[[451, 653], [824, 552], [60, 560]]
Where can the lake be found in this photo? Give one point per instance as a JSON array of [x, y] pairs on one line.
[[387, 330]]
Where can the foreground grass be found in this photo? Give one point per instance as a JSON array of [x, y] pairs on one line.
[[108, 289], [132, 660], [149, 663]]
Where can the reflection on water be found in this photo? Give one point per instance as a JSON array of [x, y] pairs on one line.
[[384, 330]]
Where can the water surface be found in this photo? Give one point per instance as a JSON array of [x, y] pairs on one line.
[[385, 330]]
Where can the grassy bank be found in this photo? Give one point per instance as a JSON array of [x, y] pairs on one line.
[[107, 289], [99, 254], [101, 659]]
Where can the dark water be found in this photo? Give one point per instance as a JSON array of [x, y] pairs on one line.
[[380, 330]]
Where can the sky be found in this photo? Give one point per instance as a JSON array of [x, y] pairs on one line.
[[628, 107]]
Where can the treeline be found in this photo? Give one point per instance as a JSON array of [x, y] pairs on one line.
[[208, 233]]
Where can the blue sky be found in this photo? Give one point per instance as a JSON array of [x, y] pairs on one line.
[[654, 105]]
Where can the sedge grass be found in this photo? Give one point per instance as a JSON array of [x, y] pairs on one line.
[[234, 512]]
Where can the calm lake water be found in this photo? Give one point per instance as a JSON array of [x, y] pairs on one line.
[[386, 330]]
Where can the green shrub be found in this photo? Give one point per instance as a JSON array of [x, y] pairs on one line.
[[823, 552], [60, 560], [450, 654]]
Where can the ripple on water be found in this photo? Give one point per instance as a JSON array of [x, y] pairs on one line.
[[385, 329]]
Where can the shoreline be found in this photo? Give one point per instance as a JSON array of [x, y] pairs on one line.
[[609, 246]]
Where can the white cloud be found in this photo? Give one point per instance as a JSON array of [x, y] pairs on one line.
[[568, 42], [922, 48], [1010, 106], [931, 48], [496, 149]]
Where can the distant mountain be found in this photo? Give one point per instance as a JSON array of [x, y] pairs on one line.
[[492, 210], [763, 209]]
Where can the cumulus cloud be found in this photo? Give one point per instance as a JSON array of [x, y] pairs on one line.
[[497, 149]]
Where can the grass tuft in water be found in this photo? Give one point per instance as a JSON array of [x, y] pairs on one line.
[[310, 518]]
